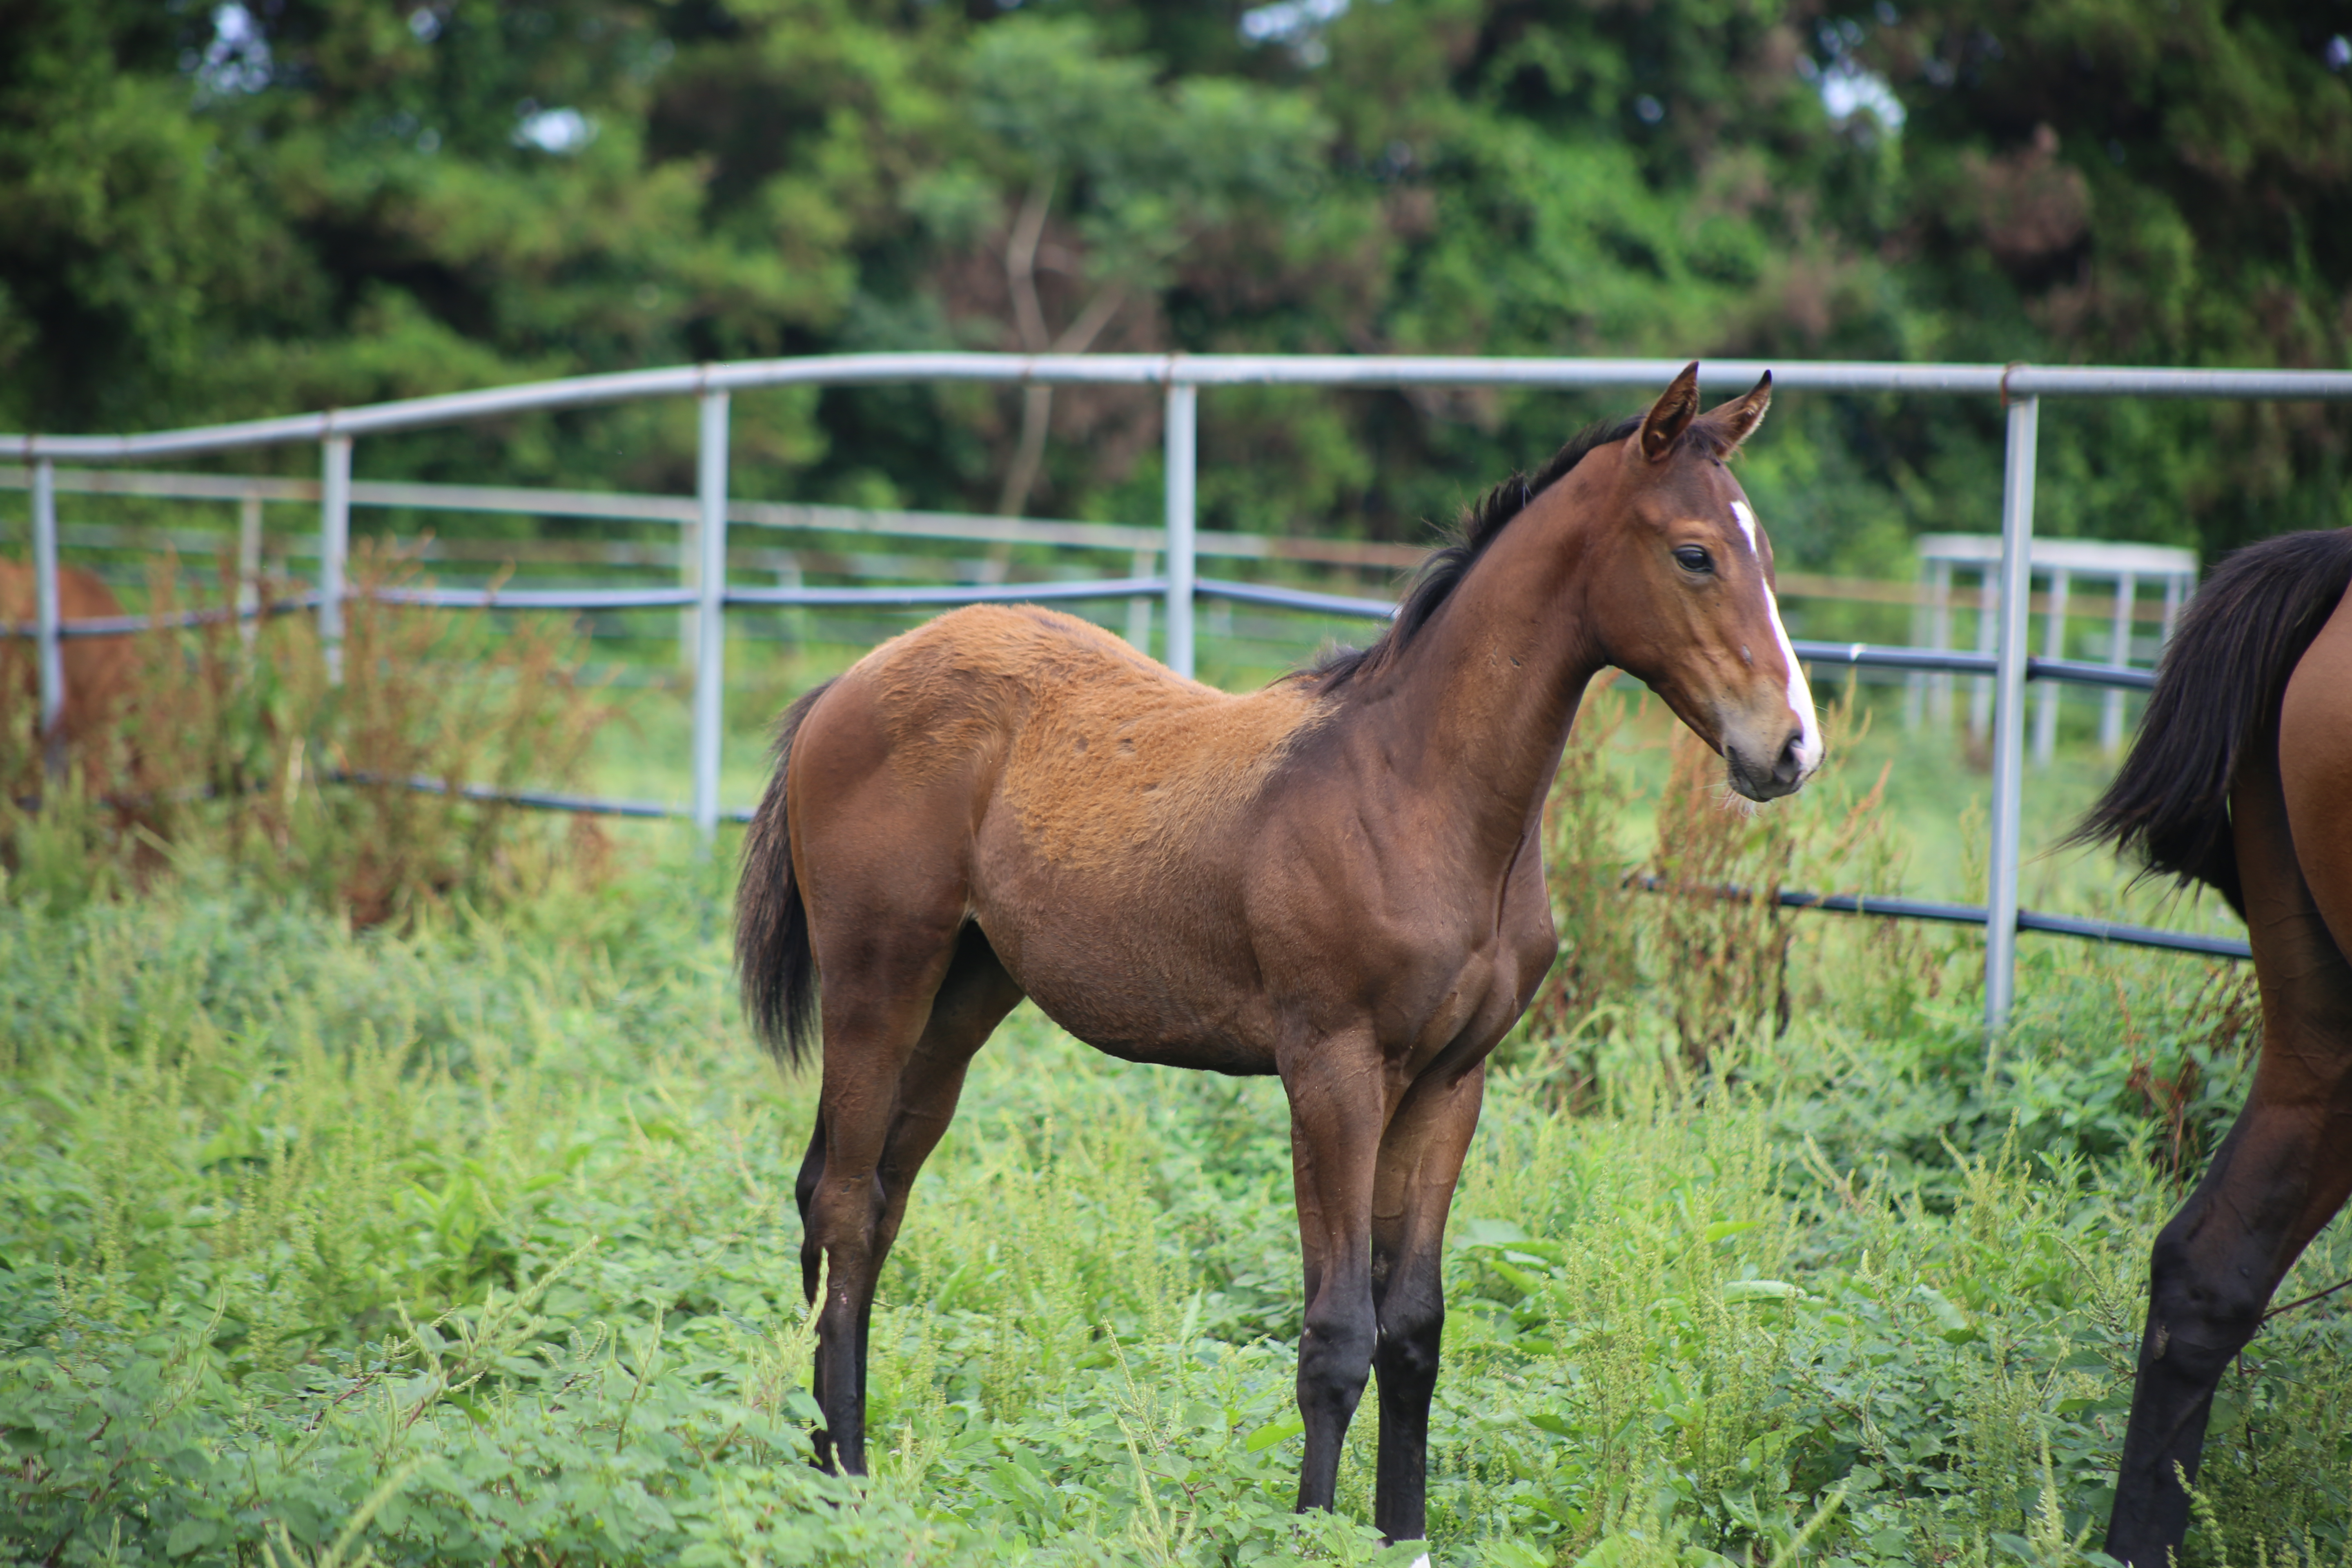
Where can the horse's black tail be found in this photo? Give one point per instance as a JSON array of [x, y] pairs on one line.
[[2217, 694], [771, 930]]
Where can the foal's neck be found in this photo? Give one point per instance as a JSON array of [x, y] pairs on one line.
[[1474, 710]]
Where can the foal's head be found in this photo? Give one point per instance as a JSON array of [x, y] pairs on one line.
[[1685, 599]]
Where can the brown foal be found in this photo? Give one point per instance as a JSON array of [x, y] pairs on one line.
[[2241, 779], [1337, 878]]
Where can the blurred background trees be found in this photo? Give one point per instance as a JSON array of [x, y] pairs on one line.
[[216, 211]]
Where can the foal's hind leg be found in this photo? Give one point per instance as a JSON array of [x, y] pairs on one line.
[[804, 1195], [882, 1112], [2281, 1174]]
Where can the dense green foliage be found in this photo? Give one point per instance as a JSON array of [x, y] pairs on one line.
[[239, 210], [475, 1244]]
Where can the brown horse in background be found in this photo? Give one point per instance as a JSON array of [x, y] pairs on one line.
[[2241, 779], [1337, 878], [97, 669]]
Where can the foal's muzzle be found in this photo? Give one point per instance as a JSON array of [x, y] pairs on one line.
[[1759, 780]]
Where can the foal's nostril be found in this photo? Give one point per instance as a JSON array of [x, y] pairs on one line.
[[1790, 767]]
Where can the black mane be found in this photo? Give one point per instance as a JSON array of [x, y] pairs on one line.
[[1480, 526]]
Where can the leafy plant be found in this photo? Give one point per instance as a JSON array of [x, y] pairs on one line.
[[496, 1204], [248, 745]]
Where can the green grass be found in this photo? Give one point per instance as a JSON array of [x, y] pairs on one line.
[[469, 1239], [475, 1244]]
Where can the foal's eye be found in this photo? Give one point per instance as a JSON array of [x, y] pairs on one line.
[[1694, 559]]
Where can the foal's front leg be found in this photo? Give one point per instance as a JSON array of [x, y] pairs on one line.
[[1338, 1108], [1421, 1161]]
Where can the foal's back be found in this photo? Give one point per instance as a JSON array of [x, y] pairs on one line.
[[1090, 757]]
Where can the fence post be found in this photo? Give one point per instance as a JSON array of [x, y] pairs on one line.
[[1940, 686], [1988, 618], [2110, 707], [710, 624], [2009, 710], [45, 595], [1914, 683], [689, 576], [2053, 645], [1138, 609], [1184, 407], [248, 565], [334, 547]]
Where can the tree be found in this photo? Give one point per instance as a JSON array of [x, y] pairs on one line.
[[243, 209], [1137, 171], [2102, 181]]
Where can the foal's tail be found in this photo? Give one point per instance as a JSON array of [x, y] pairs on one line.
[[771, 930], [2217, 694]]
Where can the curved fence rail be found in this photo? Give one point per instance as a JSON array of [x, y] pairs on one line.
[[1180, 377]]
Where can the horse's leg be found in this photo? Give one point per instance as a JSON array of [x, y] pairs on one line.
[[1338, 1106], [1421, 1160], [804, 1195], [974, 999], [2281, 1174], [848, 1225], [880, 986], [813, 1267]]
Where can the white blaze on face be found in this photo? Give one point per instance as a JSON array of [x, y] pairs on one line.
[[1801, 696]]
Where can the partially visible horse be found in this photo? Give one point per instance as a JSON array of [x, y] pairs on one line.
[[1337, 878], [98, 670], [2241, 779]]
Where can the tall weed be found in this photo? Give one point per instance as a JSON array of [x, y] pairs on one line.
[[500, 1209], [1587, 872], [245, 749], [1692, 932]]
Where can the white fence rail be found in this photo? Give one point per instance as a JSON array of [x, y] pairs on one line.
[[2020, 387]]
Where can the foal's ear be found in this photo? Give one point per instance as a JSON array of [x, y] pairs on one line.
[[1740, 417], [1670, 415]]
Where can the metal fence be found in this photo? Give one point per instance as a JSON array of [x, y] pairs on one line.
[[1180, 377], [2061, 561]]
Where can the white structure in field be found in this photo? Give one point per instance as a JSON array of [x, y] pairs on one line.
[[2060, 564]]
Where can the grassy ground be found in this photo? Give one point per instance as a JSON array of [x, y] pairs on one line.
[[467, 1238], [473, 1243]]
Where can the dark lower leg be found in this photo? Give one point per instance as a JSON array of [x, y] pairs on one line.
[[1420, 1159], [845, 1221], [805, 1193], [2214, 1270], [805, 1187], [1338, 1113], [2185, 1347], [1335, 1360], [1409, 1334]]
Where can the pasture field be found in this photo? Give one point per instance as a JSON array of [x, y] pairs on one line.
[[471, 1241], [390, 1180]]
